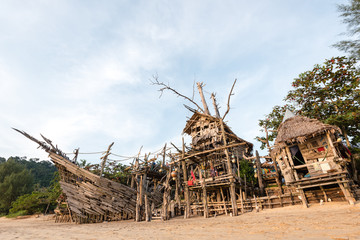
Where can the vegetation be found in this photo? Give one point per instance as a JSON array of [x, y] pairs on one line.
[[15, 180], [114, 171], [38, 201], [19, 177], [247, 171], [329, 93], [351, 16]]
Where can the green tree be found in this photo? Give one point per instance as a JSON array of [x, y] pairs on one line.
[[15, 180], [330, 93], [351, 17], [38, 201]]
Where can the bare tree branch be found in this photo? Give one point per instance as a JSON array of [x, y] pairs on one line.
[[261, 140], [167, 87], [228, 103]]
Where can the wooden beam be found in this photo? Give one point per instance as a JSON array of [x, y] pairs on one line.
[[186, 193], [229, 168], [104, 158], [206, 109], [217, 114], [259, 173], [208, 151]]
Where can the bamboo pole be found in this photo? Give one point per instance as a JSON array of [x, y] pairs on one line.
[[259, 173], [206, 109], [104, 158], [224, 202], [232, 183], [205, 203], [217, 114], [186, 192]]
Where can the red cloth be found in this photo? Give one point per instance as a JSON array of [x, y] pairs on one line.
[[321, 149], [193, 175], [190, 183], [348, 150]]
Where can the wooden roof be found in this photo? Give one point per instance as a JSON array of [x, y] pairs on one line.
[[196, 117]]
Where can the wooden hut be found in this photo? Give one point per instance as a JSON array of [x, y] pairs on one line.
[[313, 159], [210, 167]]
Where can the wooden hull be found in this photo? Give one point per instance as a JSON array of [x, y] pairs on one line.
[[92, 198]]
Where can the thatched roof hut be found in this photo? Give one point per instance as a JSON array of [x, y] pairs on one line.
[[311, 159], [299, 128]]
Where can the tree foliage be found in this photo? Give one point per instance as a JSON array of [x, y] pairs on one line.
[[15, 180], [38, 201], [351, 16], [330, 93], [112, 170]]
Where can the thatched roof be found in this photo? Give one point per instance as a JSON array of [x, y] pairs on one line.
[[299, 128]]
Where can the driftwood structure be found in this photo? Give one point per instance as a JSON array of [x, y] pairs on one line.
[[206, 177], [210, 168], [90, 198], [208, 172], [313, 160]]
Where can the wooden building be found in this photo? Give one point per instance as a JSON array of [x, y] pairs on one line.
[[313, 159], [210, 167]]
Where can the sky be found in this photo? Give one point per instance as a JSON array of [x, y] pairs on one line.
[[79, 71]]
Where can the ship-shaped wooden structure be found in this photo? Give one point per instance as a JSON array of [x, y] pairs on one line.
[[90, 198]]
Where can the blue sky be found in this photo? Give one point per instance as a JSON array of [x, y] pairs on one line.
[[78, 71]]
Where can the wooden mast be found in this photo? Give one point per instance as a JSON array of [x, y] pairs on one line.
[[232, 183], [206, 109], [217, 114]]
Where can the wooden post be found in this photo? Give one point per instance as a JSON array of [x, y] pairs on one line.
[[245, 190], [241, 195], [291, 163], [303, 198], [104, 158], [217, 114], [177, 189], [242, 200], [76, 152], [206, 109], [280, 199], [268, 198], [204, 195], [167, 188], [232, 183], [325, 196], [224, 202], [346, 193], [259, 173], [186, 192], [256, 205], [147, 209], [137, 207]]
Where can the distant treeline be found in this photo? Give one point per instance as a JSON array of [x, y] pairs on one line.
[[27, 186]]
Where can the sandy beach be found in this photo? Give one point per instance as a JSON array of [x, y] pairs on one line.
[[329, 221]]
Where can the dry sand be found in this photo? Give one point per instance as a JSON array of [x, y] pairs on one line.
[[329, 221]]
